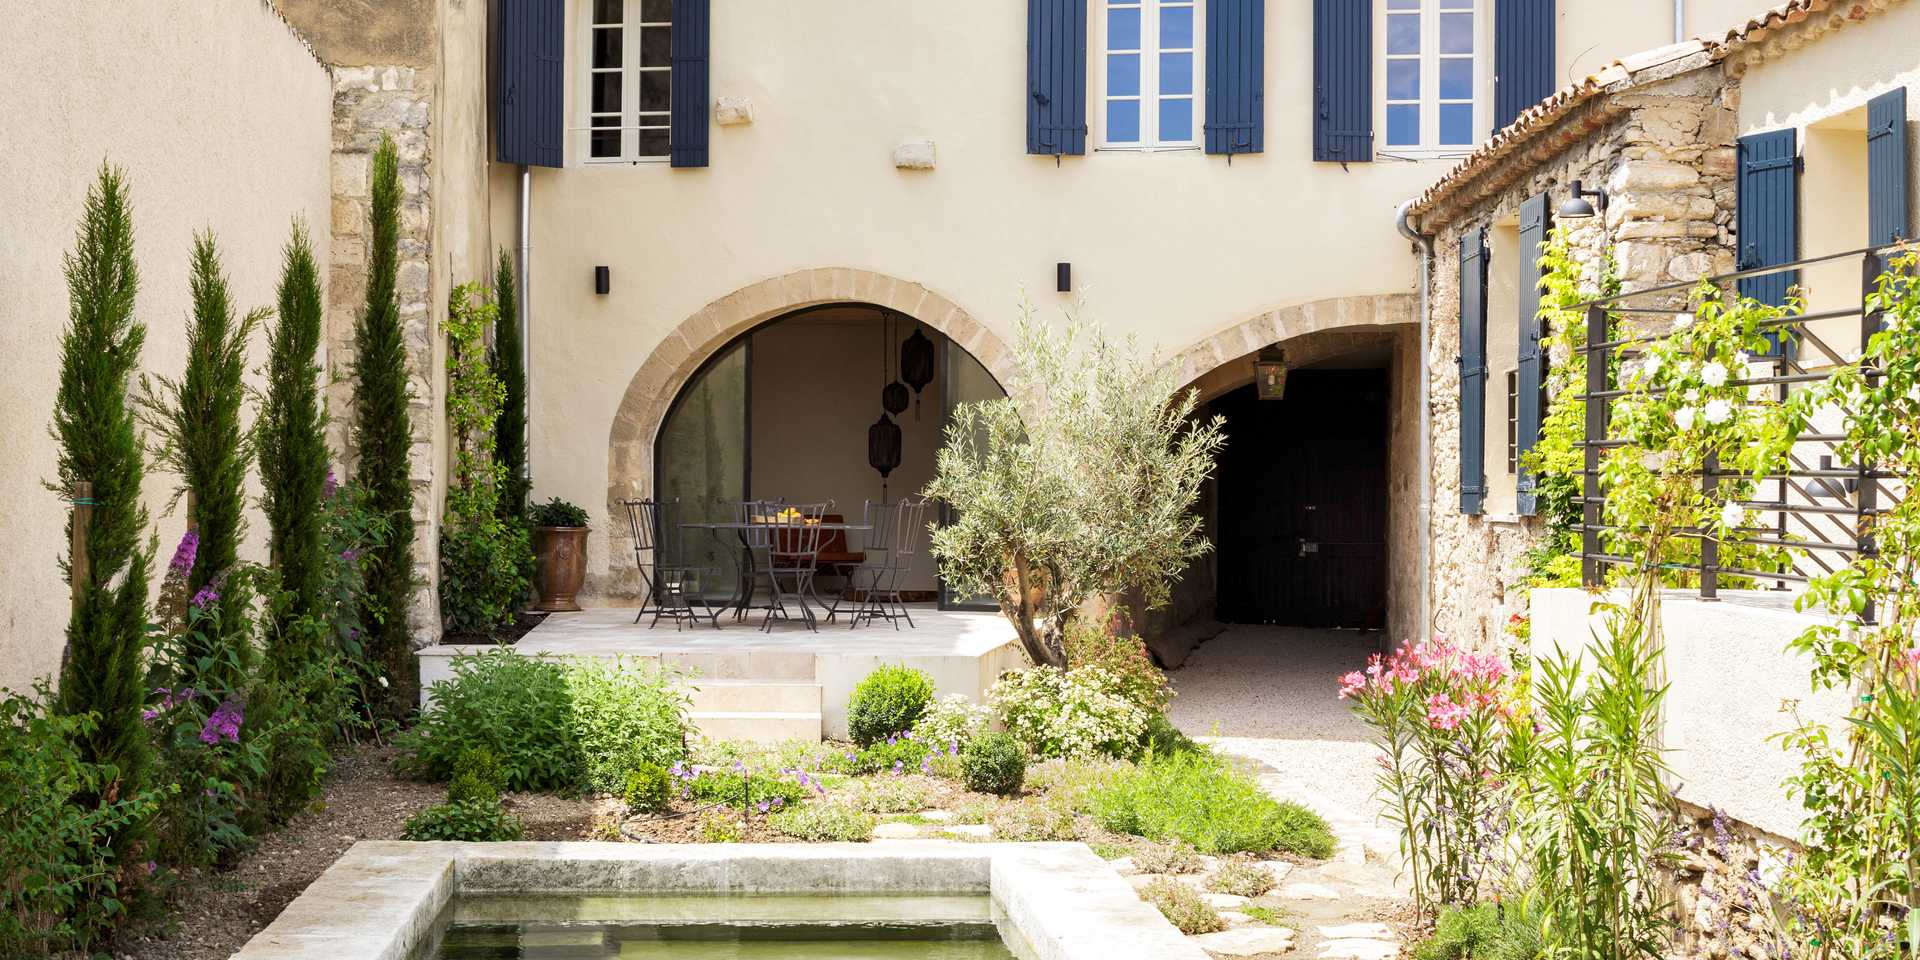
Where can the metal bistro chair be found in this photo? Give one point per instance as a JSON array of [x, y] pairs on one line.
[[788, 536], [878, 583], [659, 550]]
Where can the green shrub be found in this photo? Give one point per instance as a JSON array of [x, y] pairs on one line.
[[1032, 821], [1182, 905], [1241, 878], [1163, 738], [518, 708], [1071, 782], [994, 763], [510, 430], [1485, 931], [1079, 713], [952, 719], [624, 714], [290, 439], [476, 776], [58, 886], [1204, 801], [892, 795], [1172, 857], [558, 513], [465, 787], [888, 702], [1091, 644], [903, 754], [471, 820], [719, 827], [744, 789], [649, 789], [824, 822]]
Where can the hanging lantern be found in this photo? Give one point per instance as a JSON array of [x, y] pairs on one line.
[[893, 397], [916, 365], [883, 449], [1270, 374]]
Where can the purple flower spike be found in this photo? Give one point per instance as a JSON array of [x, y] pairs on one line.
[[207, 596], [183, 555], [330, 487]]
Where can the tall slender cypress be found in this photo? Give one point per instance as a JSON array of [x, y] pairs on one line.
[[95, 424], [510, 431], [196, 421], [383, 435], [292, 439]]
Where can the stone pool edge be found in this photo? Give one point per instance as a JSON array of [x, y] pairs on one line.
[[381, 897]]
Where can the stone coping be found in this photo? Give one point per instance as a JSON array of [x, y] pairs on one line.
[[381, 899]]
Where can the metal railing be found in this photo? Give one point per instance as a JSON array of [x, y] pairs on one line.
[[1818, 515]]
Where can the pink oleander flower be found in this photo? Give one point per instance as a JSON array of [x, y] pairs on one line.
[[1443, 713], [1352, 684], [184, 554], [1484, 668], [1910, 659]]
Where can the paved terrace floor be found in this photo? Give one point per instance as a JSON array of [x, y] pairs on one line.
[[611, 630]]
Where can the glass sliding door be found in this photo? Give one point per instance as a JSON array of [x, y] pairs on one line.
[[966, 381], [702, 460]]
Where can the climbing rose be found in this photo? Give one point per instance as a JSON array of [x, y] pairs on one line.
[[1731, 514], [1718, 410], [1714, 374], [1684, 417]]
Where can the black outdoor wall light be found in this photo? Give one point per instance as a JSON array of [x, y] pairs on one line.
[[1577, 208], [602, 280], [1063, 277]]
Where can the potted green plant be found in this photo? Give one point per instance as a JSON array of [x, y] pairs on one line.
[[560, 546]]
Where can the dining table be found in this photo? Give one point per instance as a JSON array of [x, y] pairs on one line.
[[747, 570]]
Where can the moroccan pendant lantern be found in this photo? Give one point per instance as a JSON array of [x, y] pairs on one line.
[[883, 449], [916, 365]]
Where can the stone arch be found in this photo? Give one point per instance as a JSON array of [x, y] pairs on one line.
[[679, 355], [1341, 322]]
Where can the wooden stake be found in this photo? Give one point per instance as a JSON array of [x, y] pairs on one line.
[[81, 567]]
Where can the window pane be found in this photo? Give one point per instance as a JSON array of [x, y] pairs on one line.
[[653, 143], [606, 11], [1176, 73], [1123, 28], [1456, 79], [1456, 123], [1123, 121], [1403, 124], [1123, 75], [606, 93], [605, 143], [1176, 28], [656, 11], [606, 47], [656, 90], [1456, 33], [1176, 120], [656, 47], [1403, 4], [1403, 33], [1403, 79]]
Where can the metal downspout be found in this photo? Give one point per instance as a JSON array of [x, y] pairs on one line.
[[1424, 514], [526, 312], [1679, 21]]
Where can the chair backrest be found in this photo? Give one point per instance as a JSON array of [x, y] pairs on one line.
[[909, 523], [880, 517], [641, 523], [796, 532]]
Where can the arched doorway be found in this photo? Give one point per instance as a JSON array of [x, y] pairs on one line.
[[783, 411]]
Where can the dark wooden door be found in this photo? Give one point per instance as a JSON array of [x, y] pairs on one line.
[[1303, 502]]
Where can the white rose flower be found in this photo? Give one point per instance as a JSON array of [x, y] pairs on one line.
[[1714, 374], [1693, 396], [1650, 366], [1731, 514], [1684, 417], [1741, 359], [1654, 459], [1681, 321], [1718, 411]]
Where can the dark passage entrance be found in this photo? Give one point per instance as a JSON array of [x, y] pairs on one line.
[[1303, 502]]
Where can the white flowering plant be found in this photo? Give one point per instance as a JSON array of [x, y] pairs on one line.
[[952, 719], [1078, 714]]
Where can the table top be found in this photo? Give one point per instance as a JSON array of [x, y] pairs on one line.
[[741, 525]]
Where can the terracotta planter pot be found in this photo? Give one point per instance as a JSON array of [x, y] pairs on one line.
[[562, 555]]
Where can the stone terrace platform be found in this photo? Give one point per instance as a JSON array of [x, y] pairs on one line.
[[792, 682]]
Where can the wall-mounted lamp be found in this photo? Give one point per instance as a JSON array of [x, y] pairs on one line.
[[1270, 373], [1577, 208], [602, 280], [1063, 277]]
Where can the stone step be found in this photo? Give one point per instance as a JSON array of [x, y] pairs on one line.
[[757, 726], [750, 696]]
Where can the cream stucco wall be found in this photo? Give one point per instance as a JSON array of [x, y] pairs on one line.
[[220, 121], [1175, 247]]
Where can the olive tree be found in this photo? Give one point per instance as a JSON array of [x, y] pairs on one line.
[[1080, 483]]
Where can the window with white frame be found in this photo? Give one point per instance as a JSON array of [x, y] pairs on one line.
[[1433, 64], [629, 79], [1151, 61]]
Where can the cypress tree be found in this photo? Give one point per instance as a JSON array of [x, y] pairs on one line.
[[383, 434], [510, 430], [197, 421], [95, 424], [292, 437]]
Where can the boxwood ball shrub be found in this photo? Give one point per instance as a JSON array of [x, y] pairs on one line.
[[474, 821], [1202, 800], [888, 702], [649, 789], [994, 763]]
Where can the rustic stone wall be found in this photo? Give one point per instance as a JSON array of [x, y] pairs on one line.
[[1664, 152], [370, 102], [1718, 888]]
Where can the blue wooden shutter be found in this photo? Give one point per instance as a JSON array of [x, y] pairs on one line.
[[1887, 167], [1523, 56], [1343, 80], [687, 136], [1057, 77], [1473, 370], [1767, 212], [528, 49], [1531, 372], [1236, 76]]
